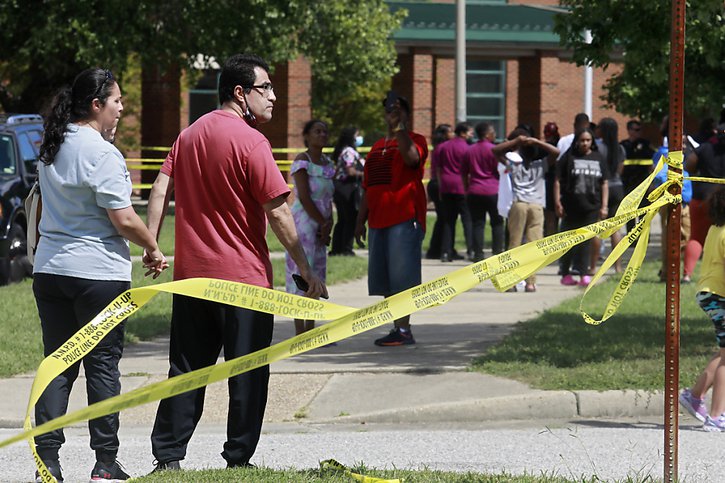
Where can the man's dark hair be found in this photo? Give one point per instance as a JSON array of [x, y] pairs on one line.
[[717, 207], [462, 128], [581, 120], [482, 128], [238, 70], [632, 123]]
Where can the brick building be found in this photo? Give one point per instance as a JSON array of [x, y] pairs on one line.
[[516, 71]]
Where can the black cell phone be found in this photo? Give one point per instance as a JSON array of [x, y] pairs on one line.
[[300, 282], [390, 101]]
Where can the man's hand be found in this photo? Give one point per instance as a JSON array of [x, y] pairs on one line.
[[603, 213], [317, 287], [360, 232], [559, 208], [155, 262]]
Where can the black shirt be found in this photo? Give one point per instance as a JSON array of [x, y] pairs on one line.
[[581, 178]]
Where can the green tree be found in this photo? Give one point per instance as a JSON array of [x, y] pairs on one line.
[[353, 60], [44, 44], [639, 32]]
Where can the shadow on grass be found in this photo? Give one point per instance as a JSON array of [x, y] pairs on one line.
[[562, 340], [558, 351]]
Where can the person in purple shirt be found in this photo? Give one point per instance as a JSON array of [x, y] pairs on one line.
[[480, 180], [449, 158]]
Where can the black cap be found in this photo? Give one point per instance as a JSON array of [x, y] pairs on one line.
[[404, 104]]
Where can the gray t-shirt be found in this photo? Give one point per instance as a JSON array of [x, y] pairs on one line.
[[77, 238], [528, 181]]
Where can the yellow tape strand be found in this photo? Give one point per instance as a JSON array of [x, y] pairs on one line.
[[348, 321], [504, 269], [332, 465]]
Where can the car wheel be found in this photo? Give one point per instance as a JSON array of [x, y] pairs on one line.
[[15, 266]]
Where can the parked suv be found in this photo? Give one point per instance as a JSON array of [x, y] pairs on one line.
[[20, 137]]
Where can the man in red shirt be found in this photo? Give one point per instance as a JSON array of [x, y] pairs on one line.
[[394, 205], [227, 185]]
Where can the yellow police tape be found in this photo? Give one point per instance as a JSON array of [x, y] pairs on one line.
[[504, 270], [332, 465]]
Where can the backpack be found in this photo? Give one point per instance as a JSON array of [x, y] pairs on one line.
[[33, 209]]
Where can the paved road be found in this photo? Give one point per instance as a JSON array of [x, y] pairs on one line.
[[608, 450]]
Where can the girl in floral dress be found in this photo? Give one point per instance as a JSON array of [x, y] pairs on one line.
[[312, 173]]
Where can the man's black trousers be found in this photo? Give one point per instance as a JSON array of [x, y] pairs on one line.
[[199, 330]]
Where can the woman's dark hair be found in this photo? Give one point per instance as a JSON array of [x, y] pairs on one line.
[[72, 104], [346, 139], [610, 137], [526, 127], [462, 128], [440, 134], [308, 127], [717, 206], [519, 131], [575, 143], [238, 70]]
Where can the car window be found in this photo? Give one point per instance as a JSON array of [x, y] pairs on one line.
[[29, 150], [36, 138], [7, 155]]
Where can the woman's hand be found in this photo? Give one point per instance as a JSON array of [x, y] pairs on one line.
[[155, 263], [559, 208], [603, 213], [324, 231]]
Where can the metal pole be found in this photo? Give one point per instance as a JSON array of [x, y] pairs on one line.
[[588, 79], [672, 311], [460, 60]]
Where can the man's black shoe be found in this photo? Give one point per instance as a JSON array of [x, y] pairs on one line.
[[54, 469], [167, 466], [108, 473]]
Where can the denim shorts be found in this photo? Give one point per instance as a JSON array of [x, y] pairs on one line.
[[714, 307], [394, 258]]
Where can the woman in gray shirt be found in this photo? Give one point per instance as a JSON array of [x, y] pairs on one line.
[[83, 260]]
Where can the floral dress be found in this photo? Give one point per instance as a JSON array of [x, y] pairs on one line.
[[321, 190]]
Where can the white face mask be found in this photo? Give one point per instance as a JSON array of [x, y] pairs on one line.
[[358, 141]]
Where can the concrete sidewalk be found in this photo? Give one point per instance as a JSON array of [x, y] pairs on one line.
[[356, 381]]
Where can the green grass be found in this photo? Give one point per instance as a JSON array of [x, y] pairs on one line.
[[460, 244], [276, 246], [21, 348], [166, 239], [558, 350], [339, 269], [264, 475]]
